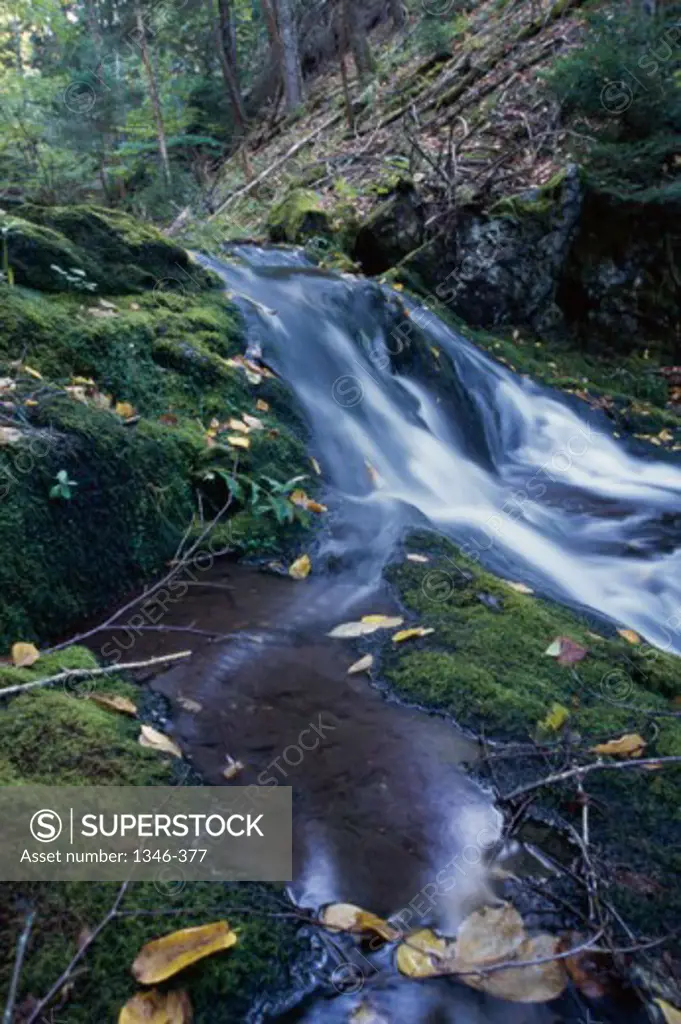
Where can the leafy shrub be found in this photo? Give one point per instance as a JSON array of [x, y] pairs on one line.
[[624, 86]]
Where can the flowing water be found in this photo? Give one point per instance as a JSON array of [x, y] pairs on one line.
[[526, 480]]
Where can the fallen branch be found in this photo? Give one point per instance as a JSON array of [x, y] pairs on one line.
[[585, 769], [71, 674], [8, 1015], [276, 165], [66, 974]]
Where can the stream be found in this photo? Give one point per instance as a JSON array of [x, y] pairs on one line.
[[381, 801]]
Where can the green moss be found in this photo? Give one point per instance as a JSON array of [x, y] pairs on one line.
[[297, 217], [32, 251], [220, 988], [124, 254], [535, 202], [486, 665]]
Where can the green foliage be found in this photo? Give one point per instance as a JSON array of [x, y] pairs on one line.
[[623, 89], [63, 487]]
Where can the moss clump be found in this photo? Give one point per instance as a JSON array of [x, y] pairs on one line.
[[486, 665], [136, 483], [297, 217], [535, 202], [32, 251], [123, 253]]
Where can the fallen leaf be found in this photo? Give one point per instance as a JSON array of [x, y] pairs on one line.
[[555, 719], [520, 588], [164, 957], [346, 917], [539, 983], [315, 465], [629, 745], [300, 498], [252, 422], [422, 954], [567, 651], [237, 441], [408, 634], [156, 1007], [150, 737], [349, 630], [383, 621], [24, 655], [107, 305], [32, 373], [168, 418], [234, 424], [262, 406], [669, 1012], [233, 768], [421, 559], [187, 704], [124, 409], [300, 569], [365, 1013], [135, 306], [630, 636], [9, 435], [114, 702], [363, 665], [490, 935]]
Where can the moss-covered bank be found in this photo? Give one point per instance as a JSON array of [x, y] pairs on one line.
[[486, 665]]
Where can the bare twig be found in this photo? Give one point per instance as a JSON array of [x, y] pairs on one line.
[[585, 769], [71, 674], [66, 974], [18, 963]]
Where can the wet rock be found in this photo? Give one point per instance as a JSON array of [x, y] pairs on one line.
[[299, 216], [394, 230]]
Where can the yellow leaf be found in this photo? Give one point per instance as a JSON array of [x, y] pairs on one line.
[[398, 287], [316, 506], [666, 435], [164, 957], [421, 559], [31, 372], [555, 719], [234, 424], [630, 636], [490, 935], [238, 442], [422, 954], [383, 621], [299, 497], [366, 1014], [115, 702], [252, 422], [346, 917], [629, 745], [409, 634], [156, 1007], [86, 382], [435, 351], [669, 1012], [150, 737], [124, 409], [299, 569], [363, 665], [24, 655], [262, 406], [539, 983], [315, 465]]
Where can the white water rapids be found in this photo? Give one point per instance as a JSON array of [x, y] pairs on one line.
[[529, 481]]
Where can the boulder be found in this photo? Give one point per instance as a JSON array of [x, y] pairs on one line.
[[298, 217], [392, 231]]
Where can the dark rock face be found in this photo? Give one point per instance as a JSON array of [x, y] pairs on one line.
[[508, 262], [394, 230]]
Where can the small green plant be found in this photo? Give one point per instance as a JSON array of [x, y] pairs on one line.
[[63, 487], [6, 274], [75, 277], [265, 496]]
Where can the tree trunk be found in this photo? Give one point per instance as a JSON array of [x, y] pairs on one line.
[[397, 13], [354, 31], [153, 93], [226, 48], [293, 85]]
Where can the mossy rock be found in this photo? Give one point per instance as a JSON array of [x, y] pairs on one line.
[[33, 251], [299, 216], [124, 254]]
